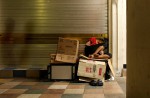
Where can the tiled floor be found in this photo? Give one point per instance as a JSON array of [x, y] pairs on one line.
[[31, 88]]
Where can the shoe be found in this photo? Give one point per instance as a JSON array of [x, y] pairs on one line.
[[93, 83], [96, 83], [99, 83], [110, 78]]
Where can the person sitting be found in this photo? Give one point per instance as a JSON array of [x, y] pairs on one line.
[[97, 49]]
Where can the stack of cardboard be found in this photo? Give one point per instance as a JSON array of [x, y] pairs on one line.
[[65, 58], [67, 50]]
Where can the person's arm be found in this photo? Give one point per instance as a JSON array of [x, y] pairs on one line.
[[87, 43]]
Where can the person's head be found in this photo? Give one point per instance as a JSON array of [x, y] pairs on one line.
[[101, 40], [93, 41]]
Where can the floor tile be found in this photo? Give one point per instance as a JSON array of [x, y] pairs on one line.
[[28, 83], [75, 86], [79, 83], [123, 87], [3, 90], [50, 96], [93, 87], [57, 87], [25, 80], [40, 87], [115, 96], [54, 91], [15, 91], [111, 85], [112, 88], [22, 87], [19, 79], [72, 96], [35, 88], [9, 95], [93, 96], [31, 80], [44, 83], [12, 83], [122, 81], [113, 91], [60, 83], [5, 80], [93, 91], [74, 91], [6, 86], [29, 96], [35, 91]]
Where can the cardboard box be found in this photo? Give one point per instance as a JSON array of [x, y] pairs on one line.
[[61, 71], [67, 50], [91, 69], [58, 73], [52, 59]]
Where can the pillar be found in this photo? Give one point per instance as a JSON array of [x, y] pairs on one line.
[[138, 49]]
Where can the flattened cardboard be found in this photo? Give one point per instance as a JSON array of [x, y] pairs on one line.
[[67, 50]]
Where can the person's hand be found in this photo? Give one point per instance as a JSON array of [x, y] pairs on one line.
[[102, 52], [91, 56], [88, 43]]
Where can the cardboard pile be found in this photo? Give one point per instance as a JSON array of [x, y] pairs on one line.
[[67, 50]]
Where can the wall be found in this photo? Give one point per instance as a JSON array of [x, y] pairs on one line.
[[138, 49], [119, 34], [29, 29], [114, 34]]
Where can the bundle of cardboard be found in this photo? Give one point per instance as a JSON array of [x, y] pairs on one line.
[[67, 51]]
